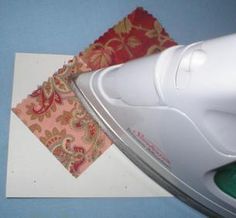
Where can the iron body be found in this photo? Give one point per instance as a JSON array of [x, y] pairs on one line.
[[174, 115]]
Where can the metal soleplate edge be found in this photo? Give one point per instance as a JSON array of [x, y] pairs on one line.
[[146, 168]]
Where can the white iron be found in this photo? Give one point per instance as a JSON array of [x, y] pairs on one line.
[[174, 115]]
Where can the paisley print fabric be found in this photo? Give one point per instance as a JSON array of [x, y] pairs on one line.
[[53, 112]]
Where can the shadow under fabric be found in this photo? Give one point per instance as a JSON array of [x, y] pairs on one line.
[[53, 112]]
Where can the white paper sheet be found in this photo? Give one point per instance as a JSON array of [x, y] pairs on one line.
[[34, 172]]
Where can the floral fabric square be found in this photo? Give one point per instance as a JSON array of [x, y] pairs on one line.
[[54, 113]]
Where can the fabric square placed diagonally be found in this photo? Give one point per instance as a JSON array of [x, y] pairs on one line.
[[55, 115]]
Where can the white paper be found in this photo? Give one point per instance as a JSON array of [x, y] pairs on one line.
[[34, 172]]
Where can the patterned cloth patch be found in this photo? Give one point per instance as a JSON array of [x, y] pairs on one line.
[[53, 112]]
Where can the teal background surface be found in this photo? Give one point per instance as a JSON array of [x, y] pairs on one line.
[[67, 27]]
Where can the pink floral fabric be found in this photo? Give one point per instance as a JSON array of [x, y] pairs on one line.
[[54, 113]]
